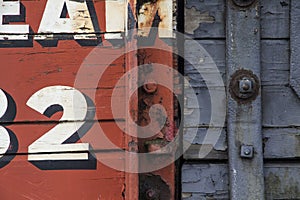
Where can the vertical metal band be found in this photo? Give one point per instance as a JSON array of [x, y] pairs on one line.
[[244, 116]]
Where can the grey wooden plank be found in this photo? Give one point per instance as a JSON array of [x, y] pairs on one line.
[[282, 143], [275, 62], [275, 18], [194, 151], [210, 181], [196, 137], [215, 48], [205, 19], [281, 107], [198, 107], [205, 180], [295, 46], [282, 181]]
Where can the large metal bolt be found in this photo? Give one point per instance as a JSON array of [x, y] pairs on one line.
[[243, 3], [150, 86], [246, 85]]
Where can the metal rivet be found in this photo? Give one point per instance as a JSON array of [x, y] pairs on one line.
[[150, 86]]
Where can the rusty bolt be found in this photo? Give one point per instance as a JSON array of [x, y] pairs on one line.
[[243, 3], [246, 85], [150, 86]]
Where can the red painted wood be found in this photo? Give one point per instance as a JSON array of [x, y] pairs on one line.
[[25, 70], [21, 180]]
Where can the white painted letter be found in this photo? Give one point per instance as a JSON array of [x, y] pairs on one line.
[[116, 18], [20, 31], [79, 20]]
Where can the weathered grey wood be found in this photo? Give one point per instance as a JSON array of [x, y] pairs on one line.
[[205, 19], [282, 181], [281, 107], [244, 120], [198, 111], [203, 181], [215, 48], [210, 181], [195, 137], [275, 62], [282, 143], [275, 59], [275, 18], [194, 151], [295, 46]]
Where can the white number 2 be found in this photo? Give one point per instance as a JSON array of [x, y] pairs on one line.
[[51, 145]]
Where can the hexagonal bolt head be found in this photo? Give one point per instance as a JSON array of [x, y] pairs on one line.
[[246, 85]]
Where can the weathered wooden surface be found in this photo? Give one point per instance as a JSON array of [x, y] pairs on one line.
[[210, 18], [275, 18], [204, 181], [22, 180], [54, 60], [44, 68], [207, 181], [276, 91], [295, 46], [281, 143], [206, 19]]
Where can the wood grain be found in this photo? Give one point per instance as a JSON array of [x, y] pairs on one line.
[[205, 19]]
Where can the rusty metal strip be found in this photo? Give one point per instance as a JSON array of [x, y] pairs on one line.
[[244, 117], [131, 179], [295, 46]]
